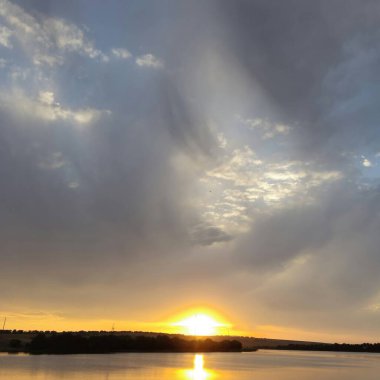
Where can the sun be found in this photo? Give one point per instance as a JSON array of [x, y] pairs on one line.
[[200, 324]]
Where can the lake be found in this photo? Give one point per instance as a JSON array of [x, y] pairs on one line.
[[260, 365]]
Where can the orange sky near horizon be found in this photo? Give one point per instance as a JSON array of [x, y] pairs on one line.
[[172, 325]]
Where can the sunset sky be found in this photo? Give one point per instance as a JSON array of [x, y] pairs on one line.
[[169, 157]]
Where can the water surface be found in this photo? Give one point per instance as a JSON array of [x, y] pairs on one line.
[[260, 365]]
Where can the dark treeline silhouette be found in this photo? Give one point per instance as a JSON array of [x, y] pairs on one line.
[[343, 347], [12, 331], [74, 343]]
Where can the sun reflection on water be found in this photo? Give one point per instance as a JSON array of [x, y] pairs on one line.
[[197, 372]]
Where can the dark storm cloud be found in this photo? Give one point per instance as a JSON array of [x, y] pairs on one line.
[[317, 62], [310, 57]]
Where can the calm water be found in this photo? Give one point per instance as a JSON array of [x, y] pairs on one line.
[[261, 365]]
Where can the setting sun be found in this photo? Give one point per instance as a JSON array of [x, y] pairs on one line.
[[200, 324]]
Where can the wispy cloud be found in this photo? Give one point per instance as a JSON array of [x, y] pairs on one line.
[[5, 34], [53, 161], [45, 40], [149, 60], [267, 129], [121, 53], [45, 107]]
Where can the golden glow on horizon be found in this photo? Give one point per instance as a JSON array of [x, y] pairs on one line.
[[201, 324], [45, 321]]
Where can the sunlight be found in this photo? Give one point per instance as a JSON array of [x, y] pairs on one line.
[[198, 372], [200, 325], [198, 362]]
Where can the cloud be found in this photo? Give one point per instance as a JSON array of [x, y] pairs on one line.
[[267, 129], [70, 38], [149, 60], [121, 53], [46, 41], [208, 235], [46, 108], [327, 271], [243, 184], [270, 214], [46, 97], [366, 163], [74, 185], [5, 34], [54, 161]]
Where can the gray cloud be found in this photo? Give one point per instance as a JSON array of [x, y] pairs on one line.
[[310, 59], [234, 175]]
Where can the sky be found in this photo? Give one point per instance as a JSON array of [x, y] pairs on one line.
[[164, 156]]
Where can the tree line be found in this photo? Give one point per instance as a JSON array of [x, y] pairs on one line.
[[75, 343], [343, 347]]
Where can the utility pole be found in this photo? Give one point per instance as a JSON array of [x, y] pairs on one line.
[[5, 319]]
